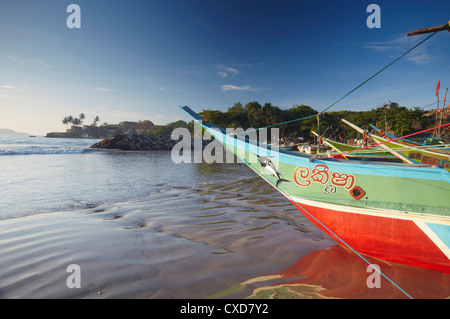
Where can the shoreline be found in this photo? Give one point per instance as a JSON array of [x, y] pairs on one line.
[[209, 243], [123, 253]]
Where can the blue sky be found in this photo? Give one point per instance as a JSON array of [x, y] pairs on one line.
[[136, 60]]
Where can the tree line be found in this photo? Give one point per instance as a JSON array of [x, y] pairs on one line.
[[391, 117]]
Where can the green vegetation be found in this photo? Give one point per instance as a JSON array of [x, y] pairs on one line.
[[168, 128], [75, 121], [399, 120], [75, 126], [390, 117]]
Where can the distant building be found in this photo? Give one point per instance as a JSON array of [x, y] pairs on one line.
[[75, 130]]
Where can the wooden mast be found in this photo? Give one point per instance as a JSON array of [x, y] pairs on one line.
[[436, 133], [442, 111]]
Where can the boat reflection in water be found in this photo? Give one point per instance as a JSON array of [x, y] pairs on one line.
[[326, 274]]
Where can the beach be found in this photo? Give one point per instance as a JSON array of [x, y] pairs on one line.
[[138, 225], [188, 249]]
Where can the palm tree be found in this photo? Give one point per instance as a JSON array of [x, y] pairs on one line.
[[70, 119], [76, 121], [81, 117], [65, 121], [96, 119]]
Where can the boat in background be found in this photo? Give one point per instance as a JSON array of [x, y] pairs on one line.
[[408, 154], [353, 152], [392, 211], [431, 146]]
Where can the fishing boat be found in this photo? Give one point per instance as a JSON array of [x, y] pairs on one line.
[[434, 147], [396, 212], [354, 152], [312, 149], [408, 154]]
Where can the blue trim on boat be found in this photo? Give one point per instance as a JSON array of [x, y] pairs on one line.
[[426, 172], [442, 231]]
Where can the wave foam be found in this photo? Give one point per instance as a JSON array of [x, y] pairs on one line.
[[42, 150]]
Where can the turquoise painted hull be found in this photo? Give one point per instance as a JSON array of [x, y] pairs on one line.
[[397, 212]]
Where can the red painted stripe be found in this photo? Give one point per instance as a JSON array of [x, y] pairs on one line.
[[389, 239]]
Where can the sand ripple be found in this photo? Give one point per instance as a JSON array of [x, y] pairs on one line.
[[180, 242]]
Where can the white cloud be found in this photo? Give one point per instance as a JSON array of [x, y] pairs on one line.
[[15, 59], [230, 87], [8, 87], [400, 45], [36, 61], [420, 58], [378, 48], [224, 71], [390, 44], [27, 61], [103, 89]]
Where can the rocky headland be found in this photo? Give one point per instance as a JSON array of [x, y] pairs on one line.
[[138, 142], [135, 142]]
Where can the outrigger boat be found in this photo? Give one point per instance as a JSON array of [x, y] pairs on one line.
[[408, 154], [436, 147], [353, 152], [392, 211]]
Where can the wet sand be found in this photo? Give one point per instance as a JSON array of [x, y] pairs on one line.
[[236, 240]]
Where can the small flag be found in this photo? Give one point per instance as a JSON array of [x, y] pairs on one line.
[[438, 87]]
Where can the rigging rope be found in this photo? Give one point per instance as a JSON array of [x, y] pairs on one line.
[[357, 87]]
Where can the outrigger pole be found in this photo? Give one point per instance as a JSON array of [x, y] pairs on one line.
[[431, 29]]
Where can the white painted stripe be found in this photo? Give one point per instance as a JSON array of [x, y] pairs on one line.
[[437, 219], [419, 219], [441, 245]]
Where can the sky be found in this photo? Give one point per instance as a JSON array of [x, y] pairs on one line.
[[138, 60]]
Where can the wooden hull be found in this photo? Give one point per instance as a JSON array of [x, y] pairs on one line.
[[391, 211], [401, 238]]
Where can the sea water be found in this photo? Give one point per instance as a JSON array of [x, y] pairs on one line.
[[140, 226], [40, 175]]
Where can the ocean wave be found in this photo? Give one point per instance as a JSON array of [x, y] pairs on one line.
[[43, 151]]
